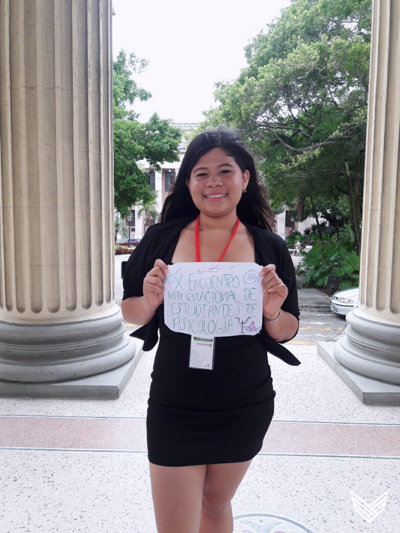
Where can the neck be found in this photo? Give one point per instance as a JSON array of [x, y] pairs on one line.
[[227, 222]]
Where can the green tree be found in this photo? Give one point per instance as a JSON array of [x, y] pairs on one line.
[[155, 141], [150, 214], [125, 89], [302, 104]]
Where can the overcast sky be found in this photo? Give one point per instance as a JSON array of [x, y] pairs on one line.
[[190, 46]]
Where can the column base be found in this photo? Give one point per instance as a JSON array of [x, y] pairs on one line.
[[105, 386], [370, 348], [55, 352], [369, 391]]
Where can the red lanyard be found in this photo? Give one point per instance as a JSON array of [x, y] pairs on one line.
[[197, 234]]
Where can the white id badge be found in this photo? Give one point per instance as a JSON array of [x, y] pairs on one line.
[[201, 353]]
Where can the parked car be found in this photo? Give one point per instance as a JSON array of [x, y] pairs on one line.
[[134, 242], [342, 302]]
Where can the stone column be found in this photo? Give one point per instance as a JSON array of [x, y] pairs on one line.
[[371, 346], [58, 318]]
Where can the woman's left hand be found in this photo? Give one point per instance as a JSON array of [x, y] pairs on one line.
[[274, 292]]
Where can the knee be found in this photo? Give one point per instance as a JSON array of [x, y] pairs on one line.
[[215, 506]]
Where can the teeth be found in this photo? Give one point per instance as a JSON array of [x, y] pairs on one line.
[[215, 195]]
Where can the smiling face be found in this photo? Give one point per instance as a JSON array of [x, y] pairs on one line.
[[216, 183]]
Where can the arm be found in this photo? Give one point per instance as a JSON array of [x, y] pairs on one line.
[[141, 309], [280, 324], [137, 311], [284, 328]]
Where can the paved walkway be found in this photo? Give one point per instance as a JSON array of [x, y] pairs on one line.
[[313, 299], [81, 466]]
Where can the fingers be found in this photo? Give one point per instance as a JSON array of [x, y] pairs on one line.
[[267, 270], [155, 278], [279, 288], [159, 263], [268, 274], [153, 284], [271, 281], [159, 271]]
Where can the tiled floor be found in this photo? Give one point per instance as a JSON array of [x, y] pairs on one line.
[[81, 466]]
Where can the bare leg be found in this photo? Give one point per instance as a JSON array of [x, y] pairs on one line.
[[177, 495], [220, 485]]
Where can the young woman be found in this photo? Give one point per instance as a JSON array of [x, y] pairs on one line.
[[204, 427]]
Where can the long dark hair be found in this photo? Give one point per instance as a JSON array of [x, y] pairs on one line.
[[253, 208]]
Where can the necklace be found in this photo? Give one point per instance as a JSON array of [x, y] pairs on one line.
[[197, 236]]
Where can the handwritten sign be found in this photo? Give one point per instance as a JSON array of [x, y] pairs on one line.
[[213, 299]]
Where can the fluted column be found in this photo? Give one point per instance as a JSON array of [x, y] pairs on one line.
[[371, 346], [58, 318]]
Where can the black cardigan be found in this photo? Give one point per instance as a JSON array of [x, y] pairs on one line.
[[160, 241]]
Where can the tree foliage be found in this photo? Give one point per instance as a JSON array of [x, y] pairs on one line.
[[125, 89], [301, 104], [155, 141]]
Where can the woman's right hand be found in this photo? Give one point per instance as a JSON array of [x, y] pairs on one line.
[[153, 284]]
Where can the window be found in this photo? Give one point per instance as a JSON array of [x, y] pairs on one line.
[[288, 215], [152, 179], [169, 179]]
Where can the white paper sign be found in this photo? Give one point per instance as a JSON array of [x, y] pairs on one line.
[[213, 299]]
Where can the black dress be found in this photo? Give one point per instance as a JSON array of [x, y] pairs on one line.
[[200, 416]]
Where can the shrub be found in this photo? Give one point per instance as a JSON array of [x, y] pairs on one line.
[[297, 236], [349, 271], [121, 250], [334, 259], [319, 263]]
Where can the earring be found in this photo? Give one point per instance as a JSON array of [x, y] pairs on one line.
[[244, 190]]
